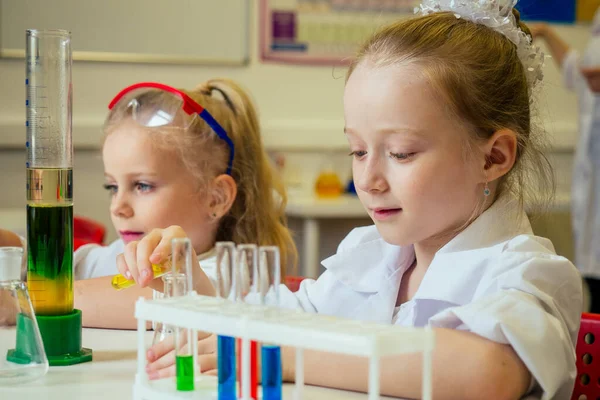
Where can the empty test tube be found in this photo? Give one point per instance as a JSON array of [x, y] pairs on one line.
[[172, 284]]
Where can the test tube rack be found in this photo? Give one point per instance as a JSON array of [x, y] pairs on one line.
[[277, 326]]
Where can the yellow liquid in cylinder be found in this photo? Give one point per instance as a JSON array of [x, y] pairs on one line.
[[50, 296], [50, 240]]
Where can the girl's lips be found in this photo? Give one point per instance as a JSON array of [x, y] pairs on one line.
[[130, 236], [381, 214]]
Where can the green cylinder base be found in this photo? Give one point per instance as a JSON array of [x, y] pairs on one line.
[[61, 335]]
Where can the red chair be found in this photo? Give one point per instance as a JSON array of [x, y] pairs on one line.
[[293, 282], [587, 384], [87, 231]]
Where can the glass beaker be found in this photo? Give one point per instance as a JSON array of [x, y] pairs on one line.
[[22, 355]]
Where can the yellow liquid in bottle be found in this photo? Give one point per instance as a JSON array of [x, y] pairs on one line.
[[119, 282], [328, 185]]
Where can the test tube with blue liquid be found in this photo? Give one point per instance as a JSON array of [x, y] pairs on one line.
[[225, 344], [269, 278], [184, 343]]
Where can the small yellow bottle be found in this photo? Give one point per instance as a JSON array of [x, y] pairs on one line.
[[119, 282], [328, 184]]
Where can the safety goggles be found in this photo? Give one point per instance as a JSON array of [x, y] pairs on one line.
[[156, 105]]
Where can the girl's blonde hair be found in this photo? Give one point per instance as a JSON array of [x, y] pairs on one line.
[[258, 212], [479, 75]]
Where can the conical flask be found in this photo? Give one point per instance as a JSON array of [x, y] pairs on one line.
[[22, 355]]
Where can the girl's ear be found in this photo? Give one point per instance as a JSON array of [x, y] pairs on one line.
[[500, 154], [222, 195]]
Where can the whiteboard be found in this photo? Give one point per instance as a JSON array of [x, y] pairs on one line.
[[213, 32]]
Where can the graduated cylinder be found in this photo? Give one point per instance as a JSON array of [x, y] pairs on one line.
[[49, 171]]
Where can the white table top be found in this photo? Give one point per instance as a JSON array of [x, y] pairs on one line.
[[348, 206], [345, 206], [111, 374]]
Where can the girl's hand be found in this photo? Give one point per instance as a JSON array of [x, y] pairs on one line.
[[154, 248], [592, 75], [161, 356], [9, 239], [538, 30], [8, 310]]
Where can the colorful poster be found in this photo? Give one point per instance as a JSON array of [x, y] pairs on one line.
[[328, 32], [323, 32]]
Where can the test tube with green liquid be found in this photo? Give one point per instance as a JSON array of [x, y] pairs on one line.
[[184, 349]]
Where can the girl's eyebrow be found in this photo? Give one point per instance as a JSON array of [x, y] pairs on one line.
[[392, 130], [403, 131], [134, 175], [138, 174]]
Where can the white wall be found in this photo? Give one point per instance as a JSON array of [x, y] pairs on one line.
[[294, 101], [300, 108]]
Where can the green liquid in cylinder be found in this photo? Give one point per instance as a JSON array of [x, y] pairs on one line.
[[50, 241]]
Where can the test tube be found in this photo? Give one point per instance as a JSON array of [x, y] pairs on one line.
[[225, 344], [184, 345], [246, 272], [269, 272], [172, 284]]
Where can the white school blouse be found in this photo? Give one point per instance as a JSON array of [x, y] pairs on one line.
[[495, 279]]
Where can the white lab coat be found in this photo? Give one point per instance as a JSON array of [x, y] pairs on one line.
[[93, 261], [585, 198], [494, 279]]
